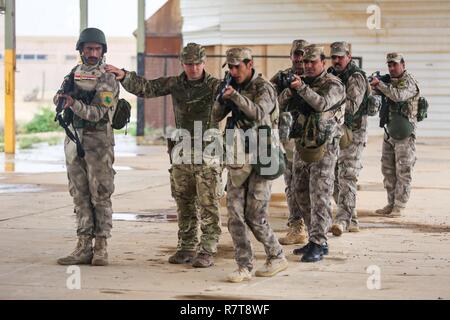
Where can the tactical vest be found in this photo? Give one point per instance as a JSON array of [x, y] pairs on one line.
[[354, 121], [85, 82], [309, 126], [408, 108], [194, 101]]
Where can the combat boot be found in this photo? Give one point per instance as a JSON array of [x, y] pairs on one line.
[[337, 229], [296, 234], [82, 253], [239, 275], [203, 260], [272, 267], [304, 249], [386, 210], [354, 226], [100, 255], [314, 253], [396, 212], [182, 256]]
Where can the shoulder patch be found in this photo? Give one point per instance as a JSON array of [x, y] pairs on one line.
[[107, 98]]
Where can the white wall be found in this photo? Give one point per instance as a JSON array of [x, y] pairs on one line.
[[419, 29]]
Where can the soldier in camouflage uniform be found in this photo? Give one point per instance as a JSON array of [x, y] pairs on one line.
[[296, 227], [349, 161], [91, 179], [195, 184], [253, 103], [317, 132], [399, 144]]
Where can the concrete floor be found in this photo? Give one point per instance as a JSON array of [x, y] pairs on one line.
[[411, 253]]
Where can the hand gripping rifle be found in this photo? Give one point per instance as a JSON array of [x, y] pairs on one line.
[[65, 121], [235, 112]]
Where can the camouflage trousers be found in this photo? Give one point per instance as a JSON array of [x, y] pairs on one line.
[[346, 177], [313, 186], [91, 184], [197, 189], [294, 211], [397, 163], [248, 209]]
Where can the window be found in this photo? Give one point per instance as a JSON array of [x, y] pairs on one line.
[[18, 57], [41, 57], [1, 56], [70, 57], [28, 56]]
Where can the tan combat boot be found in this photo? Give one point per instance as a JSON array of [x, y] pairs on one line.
[[239, 275], [386, 210], [396, 212], [100, 255], [296, 234], [353, 227], [82, 253], [337, 229], [272, 267]]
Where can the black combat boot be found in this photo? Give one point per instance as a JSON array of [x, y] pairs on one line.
[[314, 253]]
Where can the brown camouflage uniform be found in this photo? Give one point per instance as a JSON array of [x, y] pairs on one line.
[[248, 193], [196, 188], [399, 156], [91, 179]]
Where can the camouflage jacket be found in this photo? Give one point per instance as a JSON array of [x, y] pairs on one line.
[[192, 100], [357, 88], [403, 95], [324, 96], [257, 104], [98, 110]]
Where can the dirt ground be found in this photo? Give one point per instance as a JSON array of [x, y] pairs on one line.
[[410, 255]]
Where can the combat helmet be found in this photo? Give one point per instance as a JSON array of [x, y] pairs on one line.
[[92, 35]]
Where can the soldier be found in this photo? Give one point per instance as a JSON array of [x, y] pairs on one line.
[[354, 139], [192, 184], [296, 227], [252, 101], [399, 144], [91, 178], [317, 133]]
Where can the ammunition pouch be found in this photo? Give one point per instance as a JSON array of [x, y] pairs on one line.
[[347, 137], [422, 109], [276, 165], [122, 114], [311, 154]]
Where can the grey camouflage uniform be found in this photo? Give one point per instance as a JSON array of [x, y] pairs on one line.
[[196, 188], [91, 179], [313, 182], [248, 193], [289, 145], [349, 162], [399, 156]]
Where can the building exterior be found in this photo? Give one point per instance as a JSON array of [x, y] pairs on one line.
[[419, 29]]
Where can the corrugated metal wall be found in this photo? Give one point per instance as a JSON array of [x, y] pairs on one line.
[[419, 29]]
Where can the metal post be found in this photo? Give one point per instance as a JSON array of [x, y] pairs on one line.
[[84, 14], [10, 69], [165, 100], [140, 126]]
